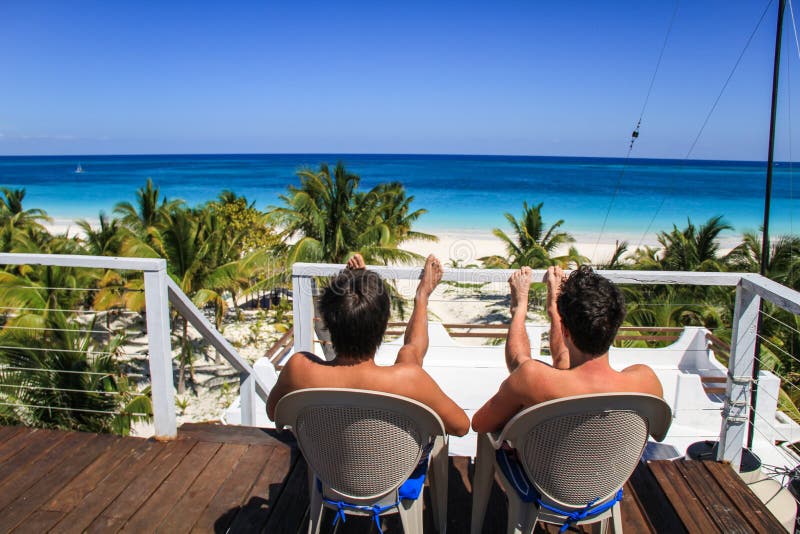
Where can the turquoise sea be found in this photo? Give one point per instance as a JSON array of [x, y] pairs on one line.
[[635, 198]]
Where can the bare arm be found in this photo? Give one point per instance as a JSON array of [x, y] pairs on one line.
[[505, 404], [286, 382], [455, 420], [554, 277], [518, 346], [416, 337]]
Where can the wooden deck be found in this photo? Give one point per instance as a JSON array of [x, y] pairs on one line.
[[234, 479]]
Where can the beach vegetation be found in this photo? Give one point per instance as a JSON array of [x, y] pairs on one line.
[[532, 242], [328, 219]]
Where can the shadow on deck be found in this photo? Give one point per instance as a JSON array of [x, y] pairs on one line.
[[237, 479]]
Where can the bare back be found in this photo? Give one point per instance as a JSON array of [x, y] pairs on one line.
[[305, 370], [534, 382]]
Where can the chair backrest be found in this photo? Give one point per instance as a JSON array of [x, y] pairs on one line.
[[361, 444], [585, 447]]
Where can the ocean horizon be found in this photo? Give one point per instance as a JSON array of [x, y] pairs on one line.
[[598, 198]]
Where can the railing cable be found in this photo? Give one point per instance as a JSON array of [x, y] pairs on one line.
[[708, 116]]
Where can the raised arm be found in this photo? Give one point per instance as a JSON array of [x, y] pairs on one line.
[[554, 278], [518, 346], [416, 337]]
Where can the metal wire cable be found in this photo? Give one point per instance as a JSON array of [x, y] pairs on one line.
[[43, 329], [85, 311], [87, 392], [780, 436], [66, 371], [790, 327], [710, 112], [73, 351], [635, 133], [770, 343], [63, 408]]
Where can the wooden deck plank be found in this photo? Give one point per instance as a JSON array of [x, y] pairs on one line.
[[40, 521], [289, 511], [74, 492], [720, 508], [155, 509], [759, 518], [139, 484], [73, 482], [34, 462], [265, 492], [203, 489], [8, 431], [61, 474], [686, 504], [96, 509], [658, 511], [245, 435], [24, 448], [631, 510], [228, 500]]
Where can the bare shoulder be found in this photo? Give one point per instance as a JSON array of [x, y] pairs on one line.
[[302, 359], [531, 382], [645, 378]]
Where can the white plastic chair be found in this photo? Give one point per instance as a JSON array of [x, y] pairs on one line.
[[574, 451], [361, 446]]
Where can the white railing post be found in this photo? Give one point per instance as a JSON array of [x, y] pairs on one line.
[[303, 311], [160, 348], [247, 399], [740, 375]]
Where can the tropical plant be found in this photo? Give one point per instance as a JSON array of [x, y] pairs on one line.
[[532, 242], [57, 376], [329, 219], [693, 249]]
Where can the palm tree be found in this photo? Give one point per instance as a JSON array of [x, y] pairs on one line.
[[533, 242], [784, 258], [693, 249], [331, 219], [103, 241], [147, 218], [21, 230], [616, 261], [58, 376]]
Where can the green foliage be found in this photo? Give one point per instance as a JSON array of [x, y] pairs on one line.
[[533, 243], [330, 219]]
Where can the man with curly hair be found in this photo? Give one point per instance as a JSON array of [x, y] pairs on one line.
[[355, 309], [585, 311]]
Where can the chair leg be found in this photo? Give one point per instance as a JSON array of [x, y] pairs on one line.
[[411, 515], [438, 484], [315, 508], [616, 517], [482, 482], [521, 515]]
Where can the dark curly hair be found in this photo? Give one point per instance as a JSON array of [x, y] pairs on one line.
[[355, 309], [592, 309]]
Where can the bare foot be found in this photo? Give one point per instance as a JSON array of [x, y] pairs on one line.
[[431, 275], [554, 278], [520, 283], [356, 262]]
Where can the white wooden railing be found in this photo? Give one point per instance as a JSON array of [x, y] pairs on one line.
[[750, 289], [160, 291]]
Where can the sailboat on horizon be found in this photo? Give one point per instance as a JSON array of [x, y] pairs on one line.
[[79, 169]]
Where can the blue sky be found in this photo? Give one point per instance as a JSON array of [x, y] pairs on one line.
[[538, 78]]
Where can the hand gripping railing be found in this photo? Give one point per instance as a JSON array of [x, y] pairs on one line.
[[750, 289], [159, 291]]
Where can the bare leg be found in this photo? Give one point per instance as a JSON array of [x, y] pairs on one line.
[[416, 337], [518, 346], [554, 278]]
